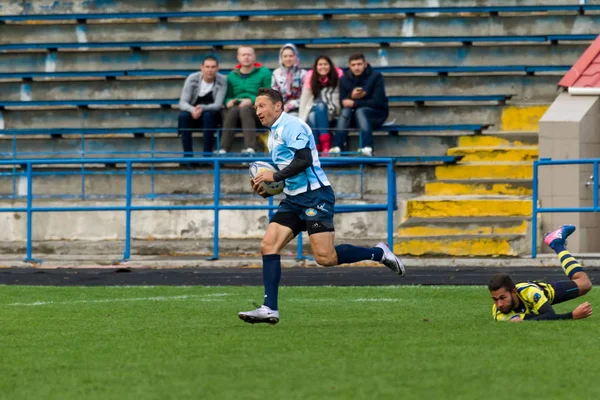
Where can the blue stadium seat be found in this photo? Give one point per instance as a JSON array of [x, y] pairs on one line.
[[326, 12], [135, 45], [169, 102], [393, 129], [440, 70]]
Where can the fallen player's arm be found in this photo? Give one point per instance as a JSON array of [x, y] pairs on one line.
[[302, 160], [547, 313]]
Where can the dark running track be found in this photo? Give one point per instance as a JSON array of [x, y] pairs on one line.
[[338, 276]]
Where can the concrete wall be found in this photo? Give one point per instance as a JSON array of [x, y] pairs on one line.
[[192, 224], [570, 129], [147, 225], [388, 26]]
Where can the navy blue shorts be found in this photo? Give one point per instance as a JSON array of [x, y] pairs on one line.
[[564, 291], [310, 211]]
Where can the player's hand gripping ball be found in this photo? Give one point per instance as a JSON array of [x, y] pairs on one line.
[[270, 188]]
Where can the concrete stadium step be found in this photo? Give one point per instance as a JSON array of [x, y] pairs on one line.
[[417, 227], [169, 145], [464, 246], [171, 179], [416, 56], [84, 6], [295, 28], [489, 170], [491, 187], [523, 88], [102, 117], [495, 153], [495, 138], [468, 206]]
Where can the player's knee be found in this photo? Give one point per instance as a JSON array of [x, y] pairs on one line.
[[267, 248], [326, 260], [584, 285]]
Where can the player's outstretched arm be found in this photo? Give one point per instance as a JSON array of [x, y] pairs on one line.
[[547, 313]]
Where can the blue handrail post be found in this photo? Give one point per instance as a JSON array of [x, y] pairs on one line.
[[128, 183], [14, 168], [82, 166], [29, 256], [216, 210], [391, 196], [152, 188], [534, 211], [595, 181]]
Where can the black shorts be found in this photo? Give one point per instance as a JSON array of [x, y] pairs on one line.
[[564, 291], [310, 211]]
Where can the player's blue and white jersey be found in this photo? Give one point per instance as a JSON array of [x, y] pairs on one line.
[[287, 135]]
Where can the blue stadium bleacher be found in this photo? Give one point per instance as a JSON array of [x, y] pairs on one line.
[[325, 12], [439, 70], [424, 51], [171, 102], [383, 41]]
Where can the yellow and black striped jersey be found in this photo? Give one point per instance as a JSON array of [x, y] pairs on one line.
[[533, 295]]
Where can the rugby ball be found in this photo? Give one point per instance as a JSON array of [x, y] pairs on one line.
[[271, 188]]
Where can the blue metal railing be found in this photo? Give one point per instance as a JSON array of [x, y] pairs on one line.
[[16, 155], [129, 207], [536, 210]]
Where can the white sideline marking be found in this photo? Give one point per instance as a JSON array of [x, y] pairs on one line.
[[377, 300], [209, 297], [359, 300]]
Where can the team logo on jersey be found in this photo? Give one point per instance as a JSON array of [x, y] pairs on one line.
[[536, 297], [311, 212]]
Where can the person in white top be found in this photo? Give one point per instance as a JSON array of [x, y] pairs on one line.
[[201, 104]]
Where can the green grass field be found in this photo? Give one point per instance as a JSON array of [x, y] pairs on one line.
[[332, 343]]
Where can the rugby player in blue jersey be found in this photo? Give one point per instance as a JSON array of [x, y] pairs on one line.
[[308, 204]]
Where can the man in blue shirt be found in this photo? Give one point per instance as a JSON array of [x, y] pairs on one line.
[[308, 205]]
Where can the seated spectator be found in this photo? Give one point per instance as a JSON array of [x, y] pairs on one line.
[[201, 103], [364, 104], [243, 84], [320, 100], [288, 79]]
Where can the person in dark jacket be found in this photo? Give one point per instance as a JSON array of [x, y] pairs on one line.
[[364, 104]]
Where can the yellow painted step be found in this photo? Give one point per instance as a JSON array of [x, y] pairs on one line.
[[441, 188], [435, 207], [463, 229], [522, 118], [460, 247], [498, 170], [495, 153], [487, 141]]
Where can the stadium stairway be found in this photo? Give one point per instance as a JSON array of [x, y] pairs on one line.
[[478, 207]]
